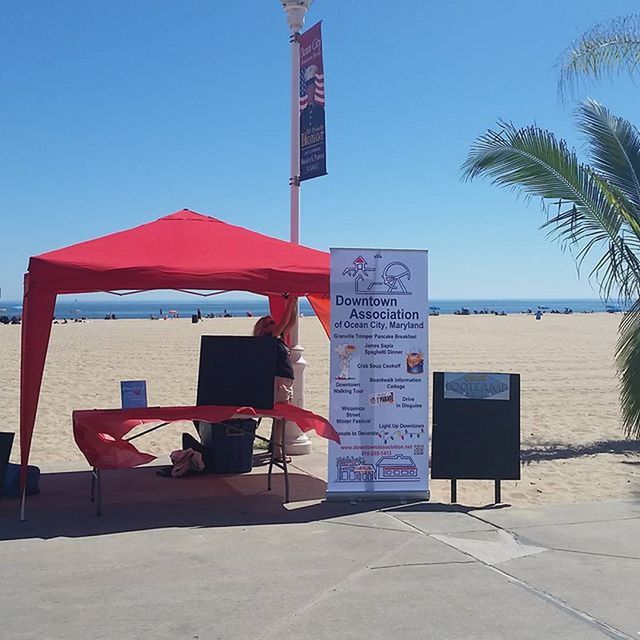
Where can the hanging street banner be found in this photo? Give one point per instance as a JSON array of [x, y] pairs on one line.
[[313, 152], [379, 374]]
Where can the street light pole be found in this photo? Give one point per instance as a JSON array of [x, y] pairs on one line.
[[296, 443]]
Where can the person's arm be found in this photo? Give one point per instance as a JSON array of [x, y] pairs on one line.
[[288, 319]]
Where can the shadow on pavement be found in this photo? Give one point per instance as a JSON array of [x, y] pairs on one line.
[[139, 499], [555, 451]]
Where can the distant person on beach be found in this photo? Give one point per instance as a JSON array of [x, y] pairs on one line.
[[199, 314], [283, 382]]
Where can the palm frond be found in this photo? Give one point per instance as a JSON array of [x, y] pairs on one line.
[[608, 48], [532, 161], [616, 272], [628, 365], [614, 146]]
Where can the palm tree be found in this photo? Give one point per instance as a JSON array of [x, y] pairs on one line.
[[608, 48], [601, 217]]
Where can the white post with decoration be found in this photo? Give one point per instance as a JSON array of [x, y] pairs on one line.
[[296, 442]]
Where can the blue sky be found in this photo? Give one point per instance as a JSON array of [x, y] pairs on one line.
[[116, 113]]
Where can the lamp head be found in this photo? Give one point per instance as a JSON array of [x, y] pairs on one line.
[[296, 11]]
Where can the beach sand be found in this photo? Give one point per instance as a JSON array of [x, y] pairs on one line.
[[572, 442]]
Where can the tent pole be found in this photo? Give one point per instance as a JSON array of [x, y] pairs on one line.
[[23, 502]]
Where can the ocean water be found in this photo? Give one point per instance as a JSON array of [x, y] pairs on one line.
[[144, 308]]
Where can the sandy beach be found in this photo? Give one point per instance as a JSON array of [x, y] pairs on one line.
[[572, 443]]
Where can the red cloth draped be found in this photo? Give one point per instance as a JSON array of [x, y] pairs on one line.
[[322, 306], [99, 432]]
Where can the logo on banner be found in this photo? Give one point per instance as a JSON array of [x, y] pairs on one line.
[[356, 469], [393, 280], [476, 386], [345, 354]]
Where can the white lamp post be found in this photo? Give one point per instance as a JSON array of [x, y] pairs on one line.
[[296, 443]]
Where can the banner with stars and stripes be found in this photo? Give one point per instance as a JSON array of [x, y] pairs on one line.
[[313, 153]]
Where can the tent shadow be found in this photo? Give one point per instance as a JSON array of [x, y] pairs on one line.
[[139, 499]]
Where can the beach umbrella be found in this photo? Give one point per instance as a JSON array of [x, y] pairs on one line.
[[434, 308], [173, 311]]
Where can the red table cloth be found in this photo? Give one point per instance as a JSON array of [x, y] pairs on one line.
[[99, 433]]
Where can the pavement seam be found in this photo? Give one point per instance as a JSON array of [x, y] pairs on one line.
[[423, 564], [276, 629], [556, 524], [594, 553], [368, 526], [583, 616]]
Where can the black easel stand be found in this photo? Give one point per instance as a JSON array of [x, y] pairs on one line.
[[497, 495]]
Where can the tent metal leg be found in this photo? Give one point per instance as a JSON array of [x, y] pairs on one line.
[[23, 505], [281, 464], [96, 489], [284, 468], [272, 457]]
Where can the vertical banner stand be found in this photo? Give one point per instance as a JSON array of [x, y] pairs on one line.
[[379, 375]]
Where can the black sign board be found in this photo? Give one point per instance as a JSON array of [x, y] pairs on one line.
[[237, 371], [476, 426]]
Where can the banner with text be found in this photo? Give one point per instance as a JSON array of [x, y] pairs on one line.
[[379, 372], [313, 151], [133, 393]]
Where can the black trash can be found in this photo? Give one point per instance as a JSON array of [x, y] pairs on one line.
[[229, 445], [194, 319]]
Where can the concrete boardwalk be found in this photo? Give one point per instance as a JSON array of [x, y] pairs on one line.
[[217, 557]]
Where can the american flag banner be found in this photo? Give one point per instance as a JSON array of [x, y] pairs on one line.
[[319, 82], [313, 155]]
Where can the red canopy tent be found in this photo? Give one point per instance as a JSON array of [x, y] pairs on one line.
[[183, 251]]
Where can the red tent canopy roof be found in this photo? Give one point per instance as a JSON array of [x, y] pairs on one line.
[[184, 250]]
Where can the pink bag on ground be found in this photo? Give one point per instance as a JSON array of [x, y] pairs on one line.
[[185, 461]]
